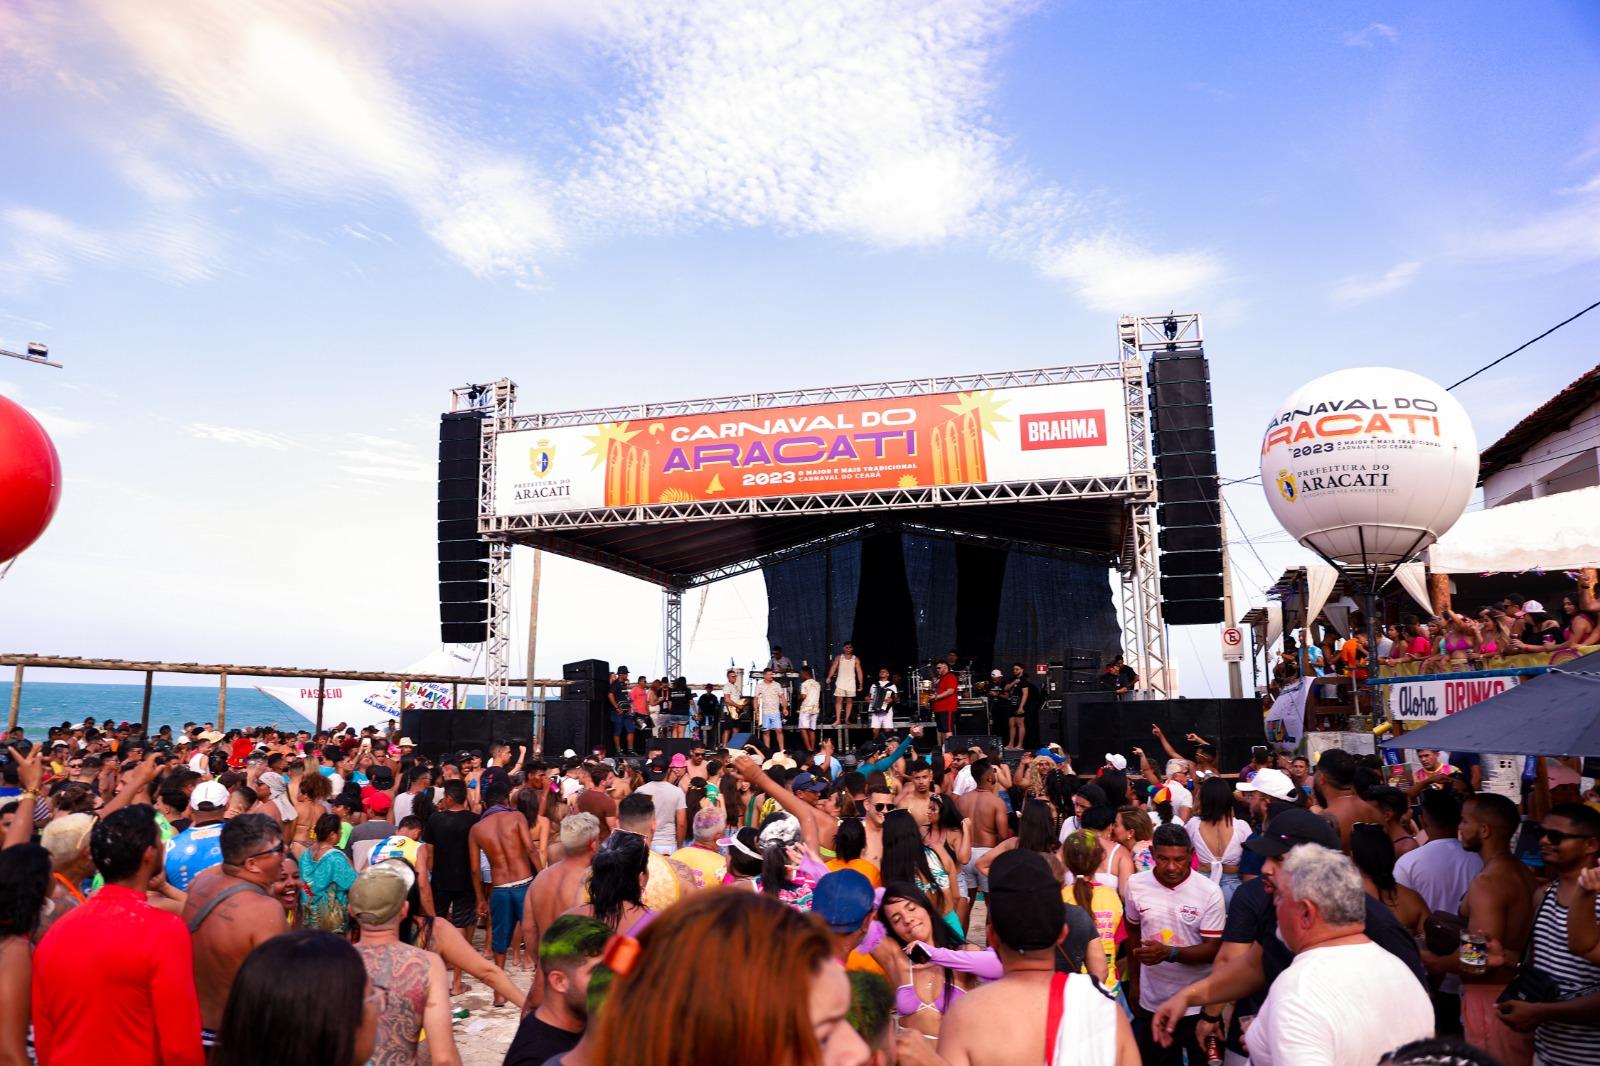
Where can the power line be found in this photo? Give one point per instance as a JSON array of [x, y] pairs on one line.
[[1519, 347]]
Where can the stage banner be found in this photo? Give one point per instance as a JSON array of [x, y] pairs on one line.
[[1428, 701], [1286, 718], [1027, 433]]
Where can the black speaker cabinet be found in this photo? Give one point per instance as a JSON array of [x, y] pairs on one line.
[[471, 730]]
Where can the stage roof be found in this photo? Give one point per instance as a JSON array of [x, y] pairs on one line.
[[690, 550]]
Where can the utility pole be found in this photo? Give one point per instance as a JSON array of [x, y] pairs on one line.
[[1235, 670]]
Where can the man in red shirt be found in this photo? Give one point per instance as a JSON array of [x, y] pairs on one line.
[[113, 980], [945, 699]]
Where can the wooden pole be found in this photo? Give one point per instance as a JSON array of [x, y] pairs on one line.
[[455, 697], [222, 702], [16, 699], [1439, 592], [322, 685], [144, 711]]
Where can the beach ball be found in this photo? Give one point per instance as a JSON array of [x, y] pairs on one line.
[[30, 479]]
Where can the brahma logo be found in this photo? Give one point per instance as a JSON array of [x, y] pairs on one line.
[[541, 457], [1287, 487], [1062, 429]]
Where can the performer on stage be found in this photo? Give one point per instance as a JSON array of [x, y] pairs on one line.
[[946, 699], [880, 706], [810, 707], [845, 673], [1026, 699], [734, 709], [772, 701], [779, 663]]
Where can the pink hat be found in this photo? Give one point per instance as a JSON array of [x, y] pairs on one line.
[[678, 760]]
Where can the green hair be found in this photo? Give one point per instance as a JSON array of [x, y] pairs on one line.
[[572, 939], [871, 1006]]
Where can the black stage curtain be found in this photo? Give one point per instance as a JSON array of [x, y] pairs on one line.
[[1049, 604], [802, 616], [885, 632], [933, 579], [983, 572]]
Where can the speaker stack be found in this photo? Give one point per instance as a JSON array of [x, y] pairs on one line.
[[1233, 726], [463, 557], [1077, 671], [438, 733], [581, 719], [1188, 517]]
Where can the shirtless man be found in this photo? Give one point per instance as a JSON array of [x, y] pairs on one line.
[[1499, 906], [1006, 1021], [880, 801], [230, 910], [986, 813], [915, 792], [503, 835], [558, 888], [1336, 783]]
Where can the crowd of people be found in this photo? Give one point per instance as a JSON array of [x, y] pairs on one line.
[[263, 896]]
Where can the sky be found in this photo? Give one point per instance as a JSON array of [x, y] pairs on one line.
[[267, 238]]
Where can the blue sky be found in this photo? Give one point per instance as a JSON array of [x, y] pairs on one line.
[[267, 239]]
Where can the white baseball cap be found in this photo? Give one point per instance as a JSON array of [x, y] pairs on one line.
[[1117, 762], [1270, 782], [208, 796]]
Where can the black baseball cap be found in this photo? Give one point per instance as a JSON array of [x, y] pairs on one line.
[[1291, 829], [1026, 912]]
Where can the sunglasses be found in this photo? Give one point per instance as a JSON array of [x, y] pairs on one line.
[[1558, 837], [882, 808], [270, 851]]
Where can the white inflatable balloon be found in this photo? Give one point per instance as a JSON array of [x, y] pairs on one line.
[[1369, 466]]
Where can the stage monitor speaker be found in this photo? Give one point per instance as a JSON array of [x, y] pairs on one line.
[[513, 727], [577, 725], [582, 690], [738, 740], [964, 741], [1191, 564], [591, 669], [471, 730]]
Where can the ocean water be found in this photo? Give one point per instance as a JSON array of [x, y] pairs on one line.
[[49, 703]]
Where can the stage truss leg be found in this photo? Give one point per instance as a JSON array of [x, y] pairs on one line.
[[672, 630], [1144, 633], [500, 399], [1147, 581]]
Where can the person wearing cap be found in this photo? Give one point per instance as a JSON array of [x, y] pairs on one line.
[[410, 981], [66, 838], [1269, 792], [1004, 1022], [374, 828], [1175, 918], [663, 786], [1253, 955], [621, 712], [844, 899], [200, 760], [702, 854], [198, 847]]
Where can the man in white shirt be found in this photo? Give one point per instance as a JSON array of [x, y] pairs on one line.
[[1178, 788], [810, 707], [200, 761], [1175, 917], [964, 782], [772, 700], [880, 703], [1344, 1001], [1440, 872]]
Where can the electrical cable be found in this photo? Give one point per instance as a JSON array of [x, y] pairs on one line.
[[1525, 344]]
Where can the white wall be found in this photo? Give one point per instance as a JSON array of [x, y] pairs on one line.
[[1565, 460]]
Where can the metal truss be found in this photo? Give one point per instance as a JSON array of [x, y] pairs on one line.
[[672, 630], [1006, 379], [1088, 488], [1144, 631], [1172, 332], [499, 399]]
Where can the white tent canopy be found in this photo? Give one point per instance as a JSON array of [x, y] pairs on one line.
[[1559, 532]]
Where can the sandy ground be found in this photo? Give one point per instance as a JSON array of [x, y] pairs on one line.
[[483, 1036]]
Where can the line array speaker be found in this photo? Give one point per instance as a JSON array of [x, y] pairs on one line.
[[1188, 519], [463, 558]]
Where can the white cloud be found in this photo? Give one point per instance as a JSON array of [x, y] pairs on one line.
[[244, 438], [1355, 290], [1565, 234], [44, 247], [59, 425], [371, 459], [1374, 33], [1111, 273]]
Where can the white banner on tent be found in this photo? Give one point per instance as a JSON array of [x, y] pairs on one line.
[[1429, 701], [1286, 718]]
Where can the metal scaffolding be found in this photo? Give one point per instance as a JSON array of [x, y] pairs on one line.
[[672, 630]]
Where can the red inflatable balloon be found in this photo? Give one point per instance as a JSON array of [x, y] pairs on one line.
[[30, 479]]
